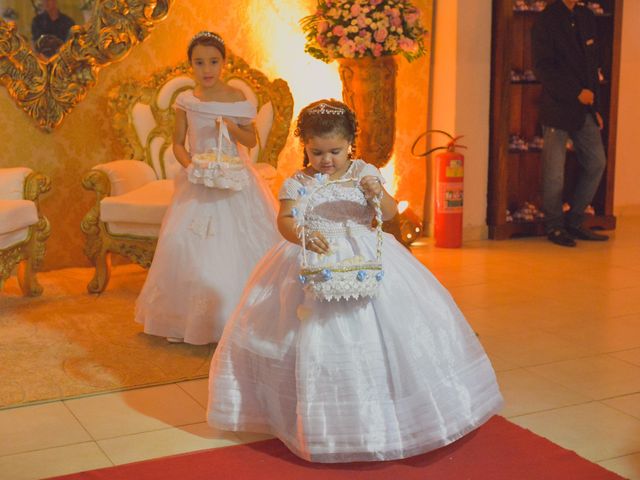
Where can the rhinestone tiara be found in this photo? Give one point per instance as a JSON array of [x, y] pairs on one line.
[[326, 109], [206, 34]]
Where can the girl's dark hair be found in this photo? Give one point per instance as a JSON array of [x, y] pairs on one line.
[[208, 39], [326, 117]]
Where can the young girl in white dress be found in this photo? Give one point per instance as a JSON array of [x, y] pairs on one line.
[[363, 379], [211, 238]]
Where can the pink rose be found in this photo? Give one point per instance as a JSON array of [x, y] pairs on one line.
[[377, 50], [407, 44], [361, 21], [323, 26], [338, 30], [411, 16], [355, 10], [375, 3], [348, 49], [380, 35]]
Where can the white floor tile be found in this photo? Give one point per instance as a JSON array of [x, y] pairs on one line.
[[53, 462], [593, 430], [627, 466], [160, 443], [38, 427], [136, 411]]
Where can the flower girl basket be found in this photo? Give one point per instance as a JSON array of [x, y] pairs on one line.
[[217, 169], [351, 278]]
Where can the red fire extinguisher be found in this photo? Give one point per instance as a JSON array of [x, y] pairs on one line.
[[449, 192]]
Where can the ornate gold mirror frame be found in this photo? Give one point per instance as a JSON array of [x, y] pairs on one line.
[[47, 89]]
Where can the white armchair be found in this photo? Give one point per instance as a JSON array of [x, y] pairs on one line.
[[133, 195], [23, 229]]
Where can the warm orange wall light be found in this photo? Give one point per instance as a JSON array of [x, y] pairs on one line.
[[278, 43]]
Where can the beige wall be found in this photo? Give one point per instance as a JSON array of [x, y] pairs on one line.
[[460, 96], [266, 34], [627, 193]]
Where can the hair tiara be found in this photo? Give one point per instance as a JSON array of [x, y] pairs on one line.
[[207, 34], [326, 109]]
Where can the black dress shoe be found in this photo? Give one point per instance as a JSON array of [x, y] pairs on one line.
[[582, 233], [561, 237]]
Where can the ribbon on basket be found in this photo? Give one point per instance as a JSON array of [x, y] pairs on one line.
[[351, 278], [217, 169]]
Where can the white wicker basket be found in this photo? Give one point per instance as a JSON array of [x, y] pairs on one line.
[[217, 169], [349, 279]]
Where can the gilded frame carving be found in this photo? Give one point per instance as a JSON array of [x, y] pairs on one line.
[[29, 253], [47, 89]]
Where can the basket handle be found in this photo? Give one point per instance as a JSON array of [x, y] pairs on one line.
[[378, 216]]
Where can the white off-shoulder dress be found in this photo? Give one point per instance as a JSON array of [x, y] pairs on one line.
[[210, 239]]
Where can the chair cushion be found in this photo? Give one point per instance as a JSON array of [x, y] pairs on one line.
[[9, 239], [12, 182], [145, 205], [127, 175], [17, 214]]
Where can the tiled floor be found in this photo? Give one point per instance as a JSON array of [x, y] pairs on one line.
[[562, 327]]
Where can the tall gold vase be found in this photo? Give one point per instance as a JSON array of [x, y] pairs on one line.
[[369, 88]]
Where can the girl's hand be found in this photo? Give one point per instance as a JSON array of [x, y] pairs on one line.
[[371, 186], [230, 123], [315, 242]]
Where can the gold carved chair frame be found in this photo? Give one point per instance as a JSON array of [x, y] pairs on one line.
[[29, 253]]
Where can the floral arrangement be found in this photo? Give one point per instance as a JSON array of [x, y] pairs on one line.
[[364, 28]]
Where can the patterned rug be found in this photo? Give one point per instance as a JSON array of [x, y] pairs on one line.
[[68, 343]]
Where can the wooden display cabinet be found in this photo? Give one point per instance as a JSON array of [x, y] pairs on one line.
[[515, 176]]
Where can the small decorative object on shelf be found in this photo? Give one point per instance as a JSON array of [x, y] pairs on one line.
[[529, 5], [536, 143], [527, 76], [518, 144], [528, 212], [509, 216]]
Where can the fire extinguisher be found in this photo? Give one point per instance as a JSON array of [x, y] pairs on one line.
[[449, 191]]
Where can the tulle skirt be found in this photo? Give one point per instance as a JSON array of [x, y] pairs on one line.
[[358, 380], [209, 242]]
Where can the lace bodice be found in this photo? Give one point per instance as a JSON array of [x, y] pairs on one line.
[[202, 132], [338, 207]]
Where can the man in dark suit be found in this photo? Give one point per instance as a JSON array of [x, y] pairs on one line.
[[566, 60], [51, 22]]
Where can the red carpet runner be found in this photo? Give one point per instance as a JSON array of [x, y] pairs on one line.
[[499, 450]]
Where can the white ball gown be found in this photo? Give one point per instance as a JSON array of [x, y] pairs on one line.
[[359, 380], [210, 239]]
